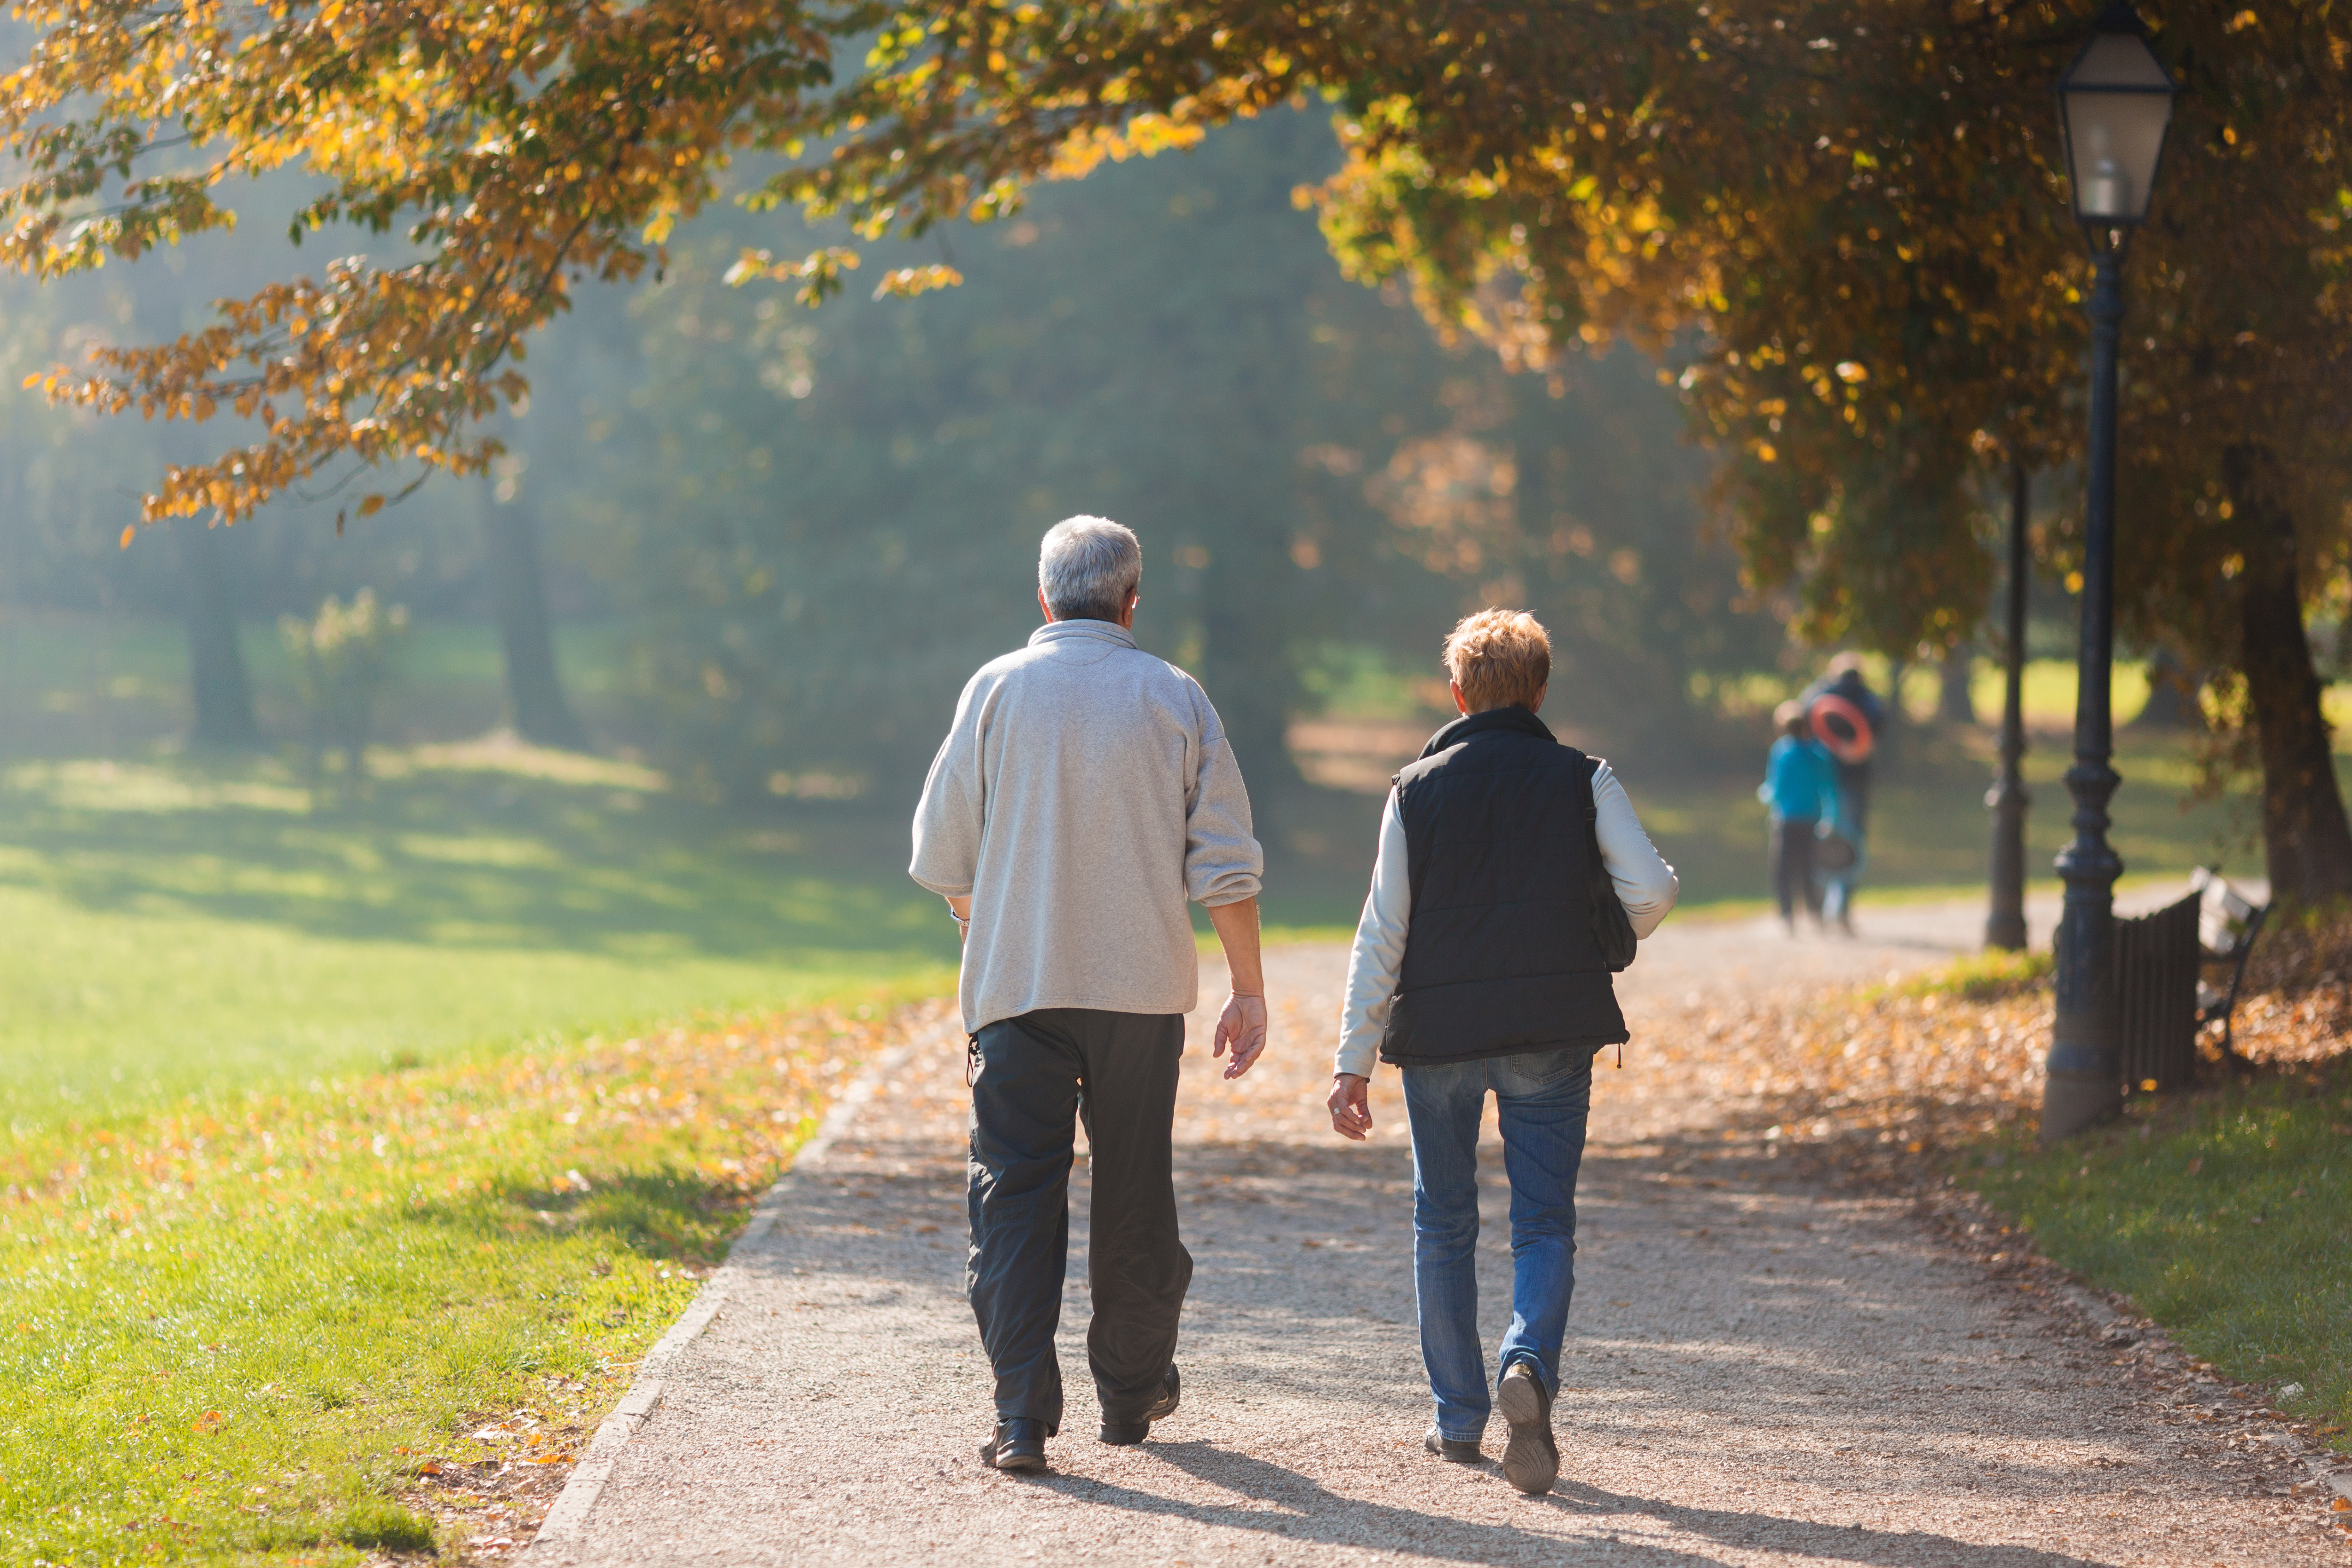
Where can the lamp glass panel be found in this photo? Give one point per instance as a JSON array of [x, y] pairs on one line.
[[2113, 140], [2118, 100]]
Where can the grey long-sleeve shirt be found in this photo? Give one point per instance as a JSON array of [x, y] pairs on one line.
[[1646, 885], [1084, 795]]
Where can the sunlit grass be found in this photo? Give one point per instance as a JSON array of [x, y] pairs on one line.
[[1986, 976], [2048, 696], [246, 1328], [332, 1136], [2225, 1216], [175, 928]]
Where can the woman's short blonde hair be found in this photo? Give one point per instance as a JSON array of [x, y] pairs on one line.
[[1499, 659]]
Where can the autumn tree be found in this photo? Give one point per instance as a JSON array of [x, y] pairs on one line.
[[1859, 211], [1851, 220], [512, 149], [1848, 214]]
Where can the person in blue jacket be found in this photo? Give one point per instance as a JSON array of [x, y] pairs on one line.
[[1801, 789], [1851, 820]]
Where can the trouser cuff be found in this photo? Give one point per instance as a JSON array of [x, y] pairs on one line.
[[1053, 1423]]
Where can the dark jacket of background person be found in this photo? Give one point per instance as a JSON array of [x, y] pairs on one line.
[[1853, 778], [1500, 957]]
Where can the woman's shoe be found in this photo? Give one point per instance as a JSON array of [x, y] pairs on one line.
[[1461, 1451], [1532, 1462]]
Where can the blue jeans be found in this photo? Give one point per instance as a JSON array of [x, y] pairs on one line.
[[1841, 884], [1542, 1098]]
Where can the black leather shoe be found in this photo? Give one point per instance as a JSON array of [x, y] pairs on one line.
[[1532, 1462], [1453, 1448], [1122, 1434], [1019, 1445]]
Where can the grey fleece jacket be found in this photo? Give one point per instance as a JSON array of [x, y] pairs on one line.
[[1084, 794]]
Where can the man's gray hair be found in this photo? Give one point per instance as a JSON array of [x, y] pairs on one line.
[[1087, 568]]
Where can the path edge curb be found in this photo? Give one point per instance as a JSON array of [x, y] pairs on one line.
[[565, 1521]]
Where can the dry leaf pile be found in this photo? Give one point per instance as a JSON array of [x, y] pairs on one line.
[[729, 1100], [1872, 1075]]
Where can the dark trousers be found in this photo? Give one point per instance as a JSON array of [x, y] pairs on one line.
[[1033, 1076], [1792, 866]]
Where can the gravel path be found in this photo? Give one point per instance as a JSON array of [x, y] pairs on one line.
[[1758, 1371]]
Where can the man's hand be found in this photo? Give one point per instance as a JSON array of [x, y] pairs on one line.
[[1352, 1113], [1242, 1028]]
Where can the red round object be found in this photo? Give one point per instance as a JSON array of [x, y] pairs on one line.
[[1842, 727]]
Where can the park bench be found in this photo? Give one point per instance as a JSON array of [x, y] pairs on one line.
[[2161, 989], [2227, 923]]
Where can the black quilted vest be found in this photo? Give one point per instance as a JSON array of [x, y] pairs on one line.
[[1500, 955]]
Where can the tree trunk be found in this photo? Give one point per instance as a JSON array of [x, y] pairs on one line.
[[219, 693], [2171, 702], [1955, 704], [519, 597], [2307, 842]]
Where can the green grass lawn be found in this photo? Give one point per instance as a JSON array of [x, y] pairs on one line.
[[335, 1136], [2220, 1215], [173, 927], [245, 1331]]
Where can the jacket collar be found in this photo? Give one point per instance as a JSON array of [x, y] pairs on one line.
[[1089, 631], [1512, 718]]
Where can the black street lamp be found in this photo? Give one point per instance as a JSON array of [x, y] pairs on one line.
[[2115, 103], [2005, 924]]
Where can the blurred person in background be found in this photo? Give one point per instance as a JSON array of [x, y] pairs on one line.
[[1482, 965], [1085, 795], [1800, 791], [1848, 719]]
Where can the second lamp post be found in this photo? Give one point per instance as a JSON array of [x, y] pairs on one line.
[[2114, 104]]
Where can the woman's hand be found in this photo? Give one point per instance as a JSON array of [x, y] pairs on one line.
[[1351, 1110]]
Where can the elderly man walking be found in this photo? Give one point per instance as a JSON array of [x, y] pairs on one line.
[[1482, 965], [1085, 793]]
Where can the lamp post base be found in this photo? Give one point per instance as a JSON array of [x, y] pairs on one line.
[[2072, 1103]]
